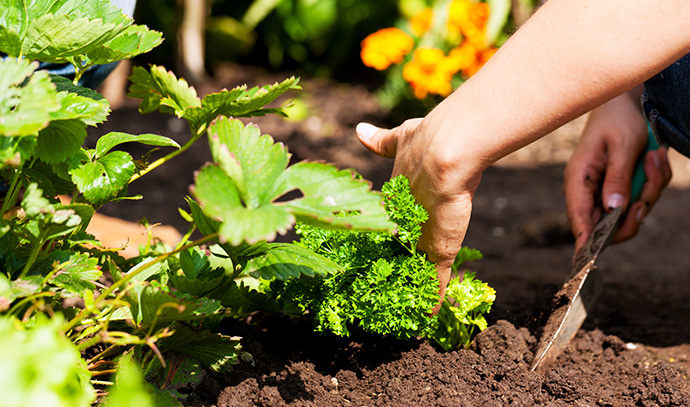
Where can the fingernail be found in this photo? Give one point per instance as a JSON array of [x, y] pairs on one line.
[[366, 130], [640, 213], [614, 201]]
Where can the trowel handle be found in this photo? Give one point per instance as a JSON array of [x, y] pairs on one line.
[[638, 174]]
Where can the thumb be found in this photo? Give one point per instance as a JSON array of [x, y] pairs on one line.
[[379, 141]]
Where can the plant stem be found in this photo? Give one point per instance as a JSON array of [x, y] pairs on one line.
[[16, 306], [167, 158], [11, 196], [33, 256], [69, 325]]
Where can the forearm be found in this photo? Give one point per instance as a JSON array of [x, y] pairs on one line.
[[570, 57]]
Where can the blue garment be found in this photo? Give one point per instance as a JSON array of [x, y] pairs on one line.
[[666, 104]]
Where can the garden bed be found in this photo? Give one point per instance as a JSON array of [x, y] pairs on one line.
[[632, 350]]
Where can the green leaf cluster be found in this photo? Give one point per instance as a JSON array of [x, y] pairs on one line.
[[161, 90], [78, 32], [40, 366], [82, 308], [385, 286], [463, 311], [250, 173]]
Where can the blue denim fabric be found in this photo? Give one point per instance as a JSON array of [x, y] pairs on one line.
[[95, 76], [666, 104]]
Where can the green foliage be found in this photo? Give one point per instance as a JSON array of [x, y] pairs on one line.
[[81, 33], [161, 90], [40, 366], [462, 313], [27, 99], [251, 173], [384, 285], [159, 311], [130, 388]]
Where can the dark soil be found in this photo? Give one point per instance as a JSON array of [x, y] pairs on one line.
[[632, 350]]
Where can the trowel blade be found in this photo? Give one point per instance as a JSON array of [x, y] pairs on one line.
[[577, 295]]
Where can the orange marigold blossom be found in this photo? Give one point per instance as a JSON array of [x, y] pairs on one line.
[[420, 23], [464, 56], [482, 57], [429, 71], [469, 18], [385, 47]]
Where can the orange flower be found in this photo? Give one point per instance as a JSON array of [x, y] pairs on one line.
[[464, 56], [385, 47], [429, 71], [482, 58], [421, 22], [469, 18]]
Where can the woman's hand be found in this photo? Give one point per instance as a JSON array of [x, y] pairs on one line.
[[441, 184], [598, 177]]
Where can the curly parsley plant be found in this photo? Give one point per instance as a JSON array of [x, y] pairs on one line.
[[386, 285]]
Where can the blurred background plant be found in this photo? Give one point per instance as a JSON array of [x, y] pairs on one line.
[[324, 37], [434, 47], [308, 37]]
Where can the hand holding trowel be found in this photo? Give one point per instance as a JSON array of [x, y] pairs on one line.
[[583, 282]]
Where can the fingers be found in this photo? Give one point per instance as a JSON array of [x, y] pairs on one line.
[[622, 154], [583, 177], [379, 141], [583, 209], [658, 173], [443, 234]]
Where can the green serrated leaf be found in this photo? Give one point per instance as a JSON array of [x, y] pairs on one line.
[[253, 161], [106, 142], [216, 191], [242, 190], [135, 40], [240, 102], [74, 272], [284, 260], [328, 191], [79, 102], [159, 88], [60, 141], [194, 262], [104, 179], [55, 30], [255, 225], [25, 105], [217, 352], [220, 200]]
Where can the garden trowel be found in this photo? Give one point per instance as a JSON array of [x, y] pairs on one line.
[[583, 282]]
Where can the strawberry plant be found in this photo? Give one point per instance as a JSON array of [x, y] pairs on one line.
[[153, 316], [61, 292]]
